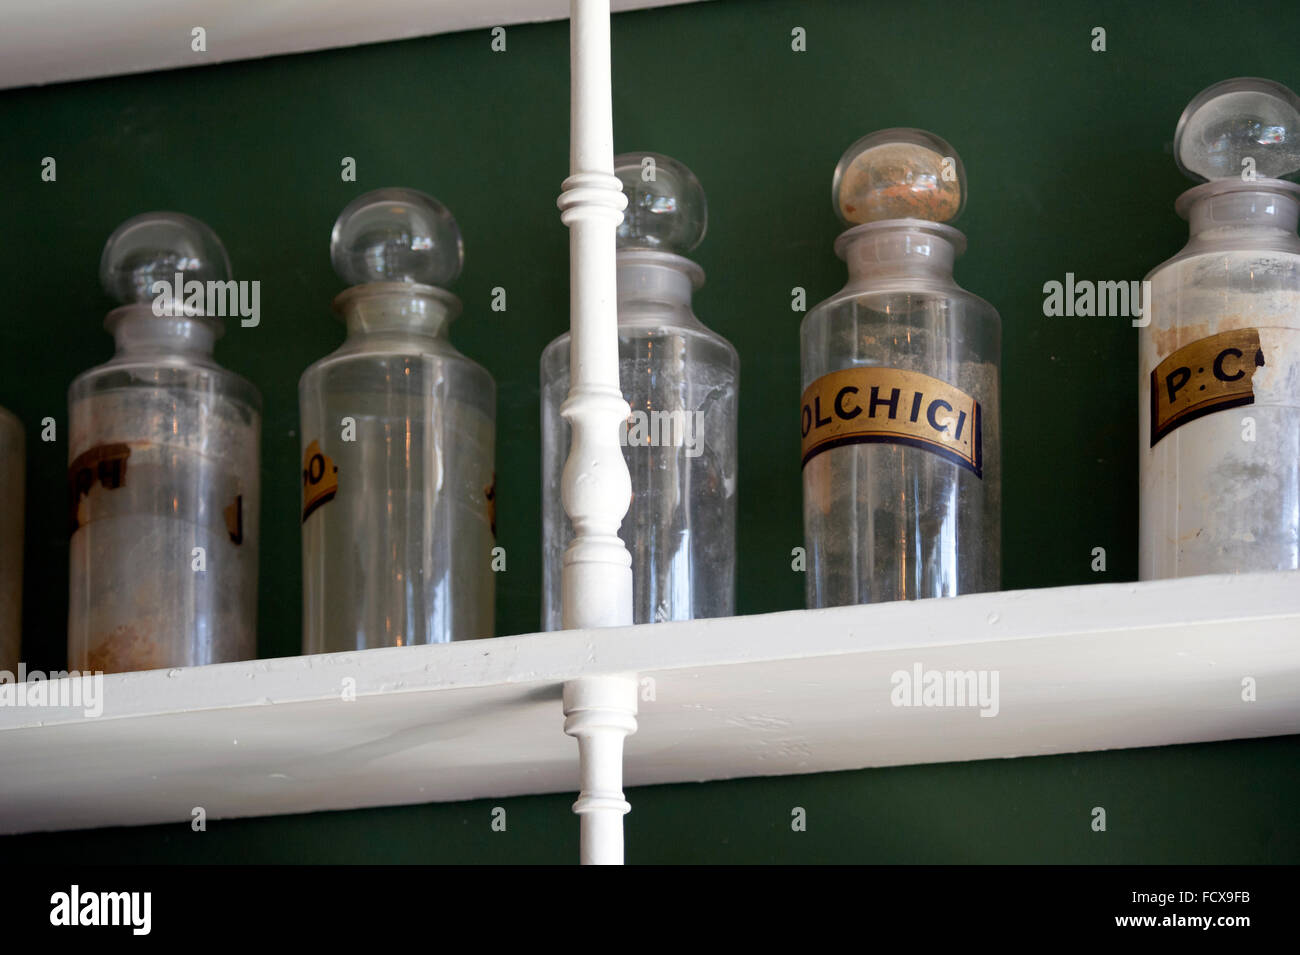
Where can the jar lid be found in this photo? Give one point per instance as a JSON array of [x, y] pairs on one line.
[[1246, 128], [143, 256], [396, 235], [899, 174], [666, 207]]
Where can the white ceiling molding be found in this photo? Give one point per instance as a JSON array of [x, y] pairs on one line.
[[61, 40]]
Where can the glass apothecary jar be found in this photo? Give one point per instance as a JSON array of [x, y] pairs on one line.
[[681, 380], [900, 414], [164, 476], [13, 472], [398, 443], [1219, 403]]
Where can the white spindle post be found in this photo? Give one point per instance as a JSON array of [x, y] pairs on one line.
[[596, 582], [600, 711], [597, 572]]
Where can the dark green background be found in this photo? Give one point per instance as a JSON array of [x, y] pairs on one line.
[[1069, 158]]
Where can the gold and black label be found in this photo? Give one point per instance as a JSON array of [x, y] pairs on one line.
[[320, 479], [886, 405], [1207, 375]]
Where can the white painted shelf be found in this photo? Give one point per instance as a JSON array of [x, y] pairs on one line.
[[1080, 668]]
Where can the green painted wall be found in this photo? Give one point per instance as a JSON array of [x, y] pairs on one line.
[[1069, 157]]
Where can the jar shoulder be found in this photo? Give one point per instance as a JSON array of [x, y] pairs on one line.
[[704, 342], [180, 373], [1220, 260], [894, 302], [375, 357]]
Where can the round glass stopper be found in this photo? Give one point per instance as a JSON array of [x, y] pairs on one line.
[[899, 174], [666, 208], [153, 247], [1241, 127], [396, 235]]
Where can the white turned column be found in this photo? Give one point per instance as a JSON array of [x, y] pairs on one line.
[[596, 579], [600, 711]]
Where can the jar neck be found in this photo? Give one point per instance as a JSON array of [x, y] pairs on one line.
[[386, 309], [1233, 208], [907, 251], [656, 280], [139, 333]]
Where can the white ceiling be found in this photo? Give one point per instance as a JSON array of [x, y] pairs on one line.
[[58, 40]]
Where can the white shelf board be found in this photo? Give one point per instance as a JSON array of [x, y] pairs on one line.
[[60, 40], [1080, 668]]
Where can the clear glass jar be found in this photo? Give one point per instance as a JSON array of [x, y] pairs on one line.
[[164, 473], [900, 416], [1219, 381], [13, 473], [1220, 488], [398, 435], [681, 380]]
